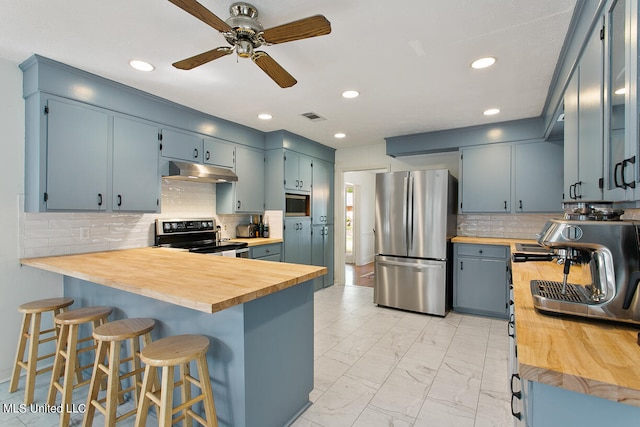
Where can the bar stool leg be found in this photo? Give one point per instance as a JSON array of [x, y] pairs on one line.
[[113, 385], [205, 385], [185, 372], [58, 364], [101, 353], [22, 345], [150, 376], [70, 369], [166, 397]]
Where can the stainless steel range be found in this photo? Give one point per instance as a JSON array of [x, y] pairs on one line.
[[199, 235]]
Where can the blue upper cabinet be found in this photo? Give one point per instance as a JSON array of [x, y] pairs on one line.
[[486, 179], [182, 146], [247, 194], [136, 183], [100, 150], [297, 172], [219, 153], [76, 157]]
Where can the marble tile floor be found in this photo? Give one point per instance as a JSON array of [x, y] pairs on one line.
[[36, 416], [375, 367]]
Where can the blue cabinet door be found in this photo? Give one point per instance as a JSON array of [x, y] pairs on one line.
[[219, 153], [77, 151], [322, 192], [539, 177], [486, 179], [136, 178], [250, 185], [181, 145]]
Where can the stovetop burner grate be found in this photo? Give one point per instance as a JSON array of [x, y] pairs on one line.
[[553, 290]]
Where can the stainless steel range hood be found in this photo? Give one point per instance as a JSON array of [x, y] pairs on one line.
[[186, 171]]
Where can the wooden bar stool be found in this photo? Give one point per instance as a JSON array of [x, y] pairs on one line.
[[31, 331], [68, 351], [166, 353], [109, 337]]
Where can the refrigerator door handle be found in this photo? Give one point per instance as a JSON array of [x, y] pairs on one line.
[[410, 214], [433, 264], [405, 209]]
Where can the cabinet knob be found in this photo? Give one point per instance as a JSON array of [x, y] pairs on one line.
[[119, 200], [207, 155], [195, 153], [99, 199]]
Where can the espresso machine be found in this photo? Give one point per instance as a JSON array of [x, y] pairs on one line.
[[591, 235]]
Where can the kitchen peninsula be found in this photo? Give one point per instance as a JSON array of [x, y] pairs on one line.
[[257, 314]]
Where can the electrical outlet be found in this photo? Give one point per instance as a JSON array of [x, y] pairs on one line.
[[84, 232]]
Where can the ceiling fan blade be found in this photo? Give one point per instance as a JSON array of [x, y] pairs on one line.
[[312, 26], [273, 69], [203, 14], [203, 58]]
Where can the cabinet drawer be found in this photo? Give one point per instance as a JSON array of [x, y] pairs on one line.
[[265, 250], [488, 251]]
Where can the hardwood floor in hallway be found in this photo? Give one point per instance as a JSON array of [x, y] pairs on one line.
[[359, 275]]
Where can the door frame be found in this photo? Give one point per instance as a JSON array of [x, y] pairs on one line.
[[339, 243]]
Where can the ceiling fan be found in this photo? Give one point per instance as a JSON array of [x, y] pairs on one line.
[[245, 33]]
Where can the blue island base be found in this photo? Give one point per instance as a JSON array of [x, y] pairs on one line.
[[261, 354]]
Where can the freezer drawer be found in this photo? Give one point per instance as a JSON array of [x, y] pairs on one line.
[[411, 284]]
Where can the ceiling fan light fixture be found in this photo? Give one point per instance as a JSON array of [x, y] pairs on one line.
[[244, 49], [350, 94], [483, 62], [140, 65]]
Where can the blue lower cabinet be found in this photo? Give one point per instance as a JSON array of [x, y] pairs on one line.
[[269, 252]]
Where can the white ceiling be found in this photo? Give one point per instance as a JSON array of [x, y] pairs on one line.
[[408, 58]]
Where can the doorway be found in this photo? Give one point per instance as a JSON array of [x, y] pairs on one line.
[[359, 218], [349, 190]]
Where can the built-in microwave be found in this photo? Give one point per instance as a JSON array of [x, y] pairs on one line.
[[297, 205]]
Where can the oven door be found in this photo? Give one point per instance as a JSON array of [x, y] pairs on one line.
[[229, 253], [242, 253]]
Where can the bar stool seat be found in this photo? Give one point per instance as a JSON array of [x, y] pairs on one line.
[[31, 331], [109, 337], [68, 351], [166, 353]]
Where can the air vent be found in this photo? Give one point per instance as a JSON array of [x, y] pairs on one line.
[[313, 117]]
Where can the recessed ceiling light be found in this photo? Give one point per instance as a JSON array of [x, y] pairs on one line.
[[621, 91], [265, 116], [339, 135], [491, 112], [141, 65], [350, 94], [483, 62]]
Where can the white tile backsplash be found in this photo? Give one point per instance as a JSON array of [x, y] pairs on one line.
[[61, 233], [515, 226], [521, 226]]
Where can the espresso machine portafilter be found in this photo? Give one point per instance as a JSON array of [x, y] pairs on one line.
[[610, 248]]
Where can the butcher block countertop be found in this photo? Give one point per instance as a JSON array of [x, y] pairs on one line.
[[196, 281], [598, 358], [257, 241], [489, 240]]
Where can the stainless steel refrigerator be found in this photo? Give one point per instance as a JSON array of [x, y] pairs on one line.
[[415, 220]]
